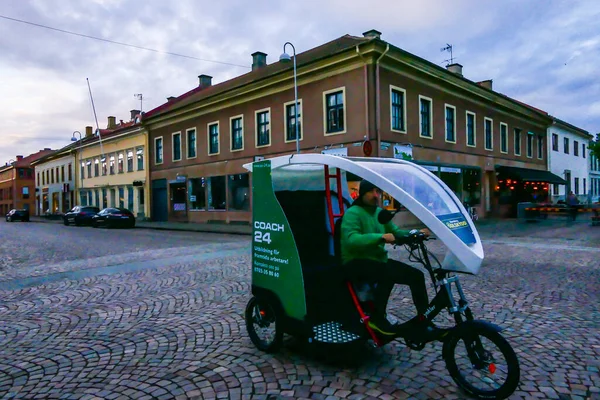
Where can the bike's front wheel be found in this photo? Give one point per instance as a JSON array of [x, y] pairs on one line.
[[482, 363]]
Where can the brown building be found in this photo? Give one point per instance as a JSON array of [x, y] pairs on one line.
[[17, 183], [350, 90]]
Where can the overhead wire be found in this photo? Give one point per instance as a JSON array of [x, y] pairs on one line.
[[119, 43]]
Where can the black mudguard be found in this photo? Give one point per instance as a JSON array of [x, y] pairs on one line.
[[465, 327]]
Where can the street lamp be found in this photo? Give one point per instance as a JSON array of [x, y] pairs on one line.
[[74, 139], [286, 58]]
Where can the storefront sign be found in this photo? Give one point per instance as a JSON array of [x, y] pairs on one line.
[[340, 152], [431, 168], [385, 145], [403, 152], [449, 169], [192, 198], [181, 178]]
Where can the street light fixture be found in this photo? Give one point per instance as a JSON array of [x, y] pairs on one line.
[[285, 58]]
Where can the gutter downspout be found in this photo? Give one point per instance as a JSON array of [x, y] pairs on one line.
[[377, 100], [367, 134]]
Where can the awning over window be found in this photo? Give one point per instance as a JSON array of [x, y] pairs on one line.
[[531, 175]]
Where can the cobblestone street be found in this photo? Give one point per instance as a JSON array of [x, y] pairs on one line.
[[147, 314]]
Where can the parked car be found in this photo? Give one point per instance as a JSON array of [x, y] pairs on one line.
[[80, 215], [17, 215], [114, 217]]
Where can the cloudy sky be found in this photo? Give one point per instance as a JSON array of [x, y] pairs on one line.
[[543, 52]]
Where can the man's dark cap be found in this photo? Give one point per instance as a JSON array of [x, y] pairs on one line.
[[364, 187]]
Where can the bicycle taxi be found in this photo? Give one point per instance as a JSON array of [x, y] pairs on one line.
[[298, 204]]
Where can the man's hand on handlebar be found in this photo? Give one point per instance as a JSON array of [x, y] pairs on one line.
[[389, 238]]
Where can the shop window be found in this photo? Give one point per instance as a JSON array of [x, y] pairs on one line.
[[104, 199], [113, 198], [471, 186], [216, 193], [178, 200], [97, 195], [121, 197], [130, 198], [452, 178], [197, 193], [239, 192]]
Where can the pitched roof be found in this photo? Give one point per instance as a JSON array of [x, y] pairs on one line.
[[326, 50]]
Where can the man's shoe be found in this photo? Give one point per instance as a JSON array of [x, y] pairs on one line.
[[384, 327]]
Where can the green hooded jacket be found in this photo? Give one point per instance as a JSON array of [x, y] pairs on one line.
[[361, 234]]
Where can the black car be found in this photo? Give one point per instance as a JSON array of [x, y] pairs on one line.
[[80, 215], [114, 217], [17, 215]]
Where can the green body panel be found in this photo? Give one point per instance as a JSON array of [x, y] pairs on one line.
[[275, 261]]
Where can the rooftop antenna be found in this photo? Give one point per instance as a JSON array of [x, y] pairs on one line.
[[96, 117], [140, 97], [448, 48]]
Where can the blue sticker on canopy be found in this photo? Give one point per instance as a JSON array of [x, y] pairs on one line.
[[458, 224]]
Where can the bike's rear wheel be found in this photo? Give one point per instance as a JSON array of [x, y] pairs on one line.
[[482, 363]]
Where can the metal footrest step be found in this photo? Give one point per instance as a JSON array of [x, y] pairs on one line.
[[332, 332]]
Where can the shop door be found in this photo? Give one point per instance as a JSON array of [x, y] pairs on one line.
[[159, 200]]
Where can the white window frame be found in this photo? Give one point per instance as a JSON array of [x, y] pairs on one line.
[[156, 139], [505, 141], [241, 116], [421, 97], [187, 143], [467, 113], [491, 134], [173, 147], [268, 109], [285, 127], [404, 114], [208, 125], [325, 93], [446, 106]]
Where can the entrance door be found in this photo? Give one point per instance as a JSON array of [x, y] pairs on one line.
[[159, 200]]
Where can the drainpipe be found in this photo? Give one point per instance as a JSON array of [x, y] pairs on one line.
[[366, 92], [377, 98]]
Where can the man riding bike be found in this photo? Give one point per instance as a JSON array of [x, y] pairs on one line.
[[365, 258]]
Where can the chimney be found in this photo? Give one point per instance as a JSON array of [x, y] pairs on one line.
[[372, 34], [134, 113], [88, 131], [455, 69], [19, 158], [259, 60], [486, 84], [47, 148], [204, 81], [171, 98], [112, 122]]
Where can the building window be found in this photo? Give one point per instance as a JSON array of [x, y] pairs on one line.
[[239, 192], [584, 186], [213, 138], [398, 109], [82, 172], [575, 148], [158, 150], [38, 179], [113, 198], [104, 168], [583, 150], [121, 197], [503, 138], [540, 147], [566, 145], [88, 164], [97, 198], [237, 132], [140, 157], [104, 198], [425, 117], [216, 193], [517, 142], [26, 192], [62, 173], [576, 184], [197, 193], [450, 124], [335, 117], [70, 172], [121, 162], [112, 164], [489, 133], [96, 167], [290, 121], [191, 143], [129, 160], [263, 131], [471, 130], [529, 144], [471, 186], [176, 143], [554, 142], [555, 190]]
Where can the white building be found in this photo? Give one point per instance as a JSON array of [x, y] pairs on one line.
[[568, 158], [55, 181], [594, 178]]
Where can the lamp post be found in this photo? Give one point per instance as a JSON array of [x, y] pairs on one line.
[[74, 139], [286, 58]]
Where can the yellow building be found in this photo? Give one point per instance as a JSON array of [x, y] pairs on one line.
[[113, 168]]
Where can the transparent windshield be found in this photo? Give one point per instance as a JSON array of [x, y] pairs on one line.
[[422, 187]]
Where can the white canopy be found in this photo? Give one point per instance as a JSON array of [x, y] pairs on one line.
[[416, 188]]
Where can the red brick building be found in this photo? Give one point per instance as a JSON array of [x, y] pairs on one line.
[[17, 183], [350, 90]]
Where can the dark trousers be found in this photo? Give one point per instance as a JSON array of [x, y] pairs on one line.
[[386, 275]]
